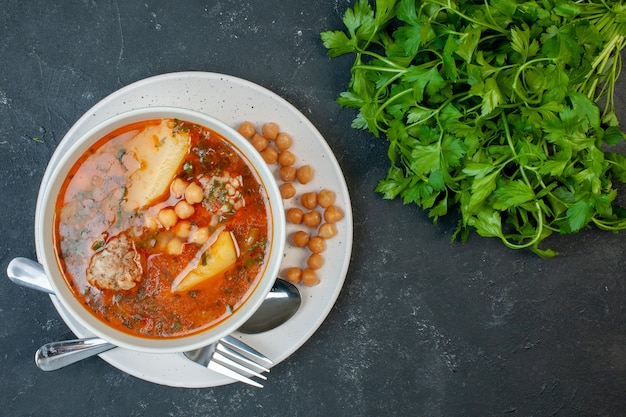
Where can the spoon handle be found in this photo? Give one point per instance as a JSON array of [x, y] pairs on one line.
[[56, 355], [30, 274]]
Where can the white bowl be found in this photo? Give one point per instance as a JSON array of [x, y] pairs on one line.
[[44, 232]]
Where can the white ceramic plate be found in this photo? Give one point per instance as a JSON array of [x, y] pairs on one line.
[[233, 101]]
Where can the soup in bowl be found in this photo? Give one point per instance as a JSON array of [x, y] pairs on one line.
[[163, 228]]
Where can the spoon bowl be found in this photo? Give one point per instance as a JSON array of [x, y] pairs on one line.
[[280, 304]]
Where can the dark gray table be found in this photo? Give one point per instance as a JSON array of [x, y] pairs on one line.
[[422, 327]]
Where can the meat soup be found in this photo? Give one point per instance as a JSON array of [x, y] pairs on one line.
[[161, 228]]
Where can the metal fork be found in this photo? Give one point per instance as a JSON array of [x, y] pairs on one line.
[[233, 358], [229, 356]]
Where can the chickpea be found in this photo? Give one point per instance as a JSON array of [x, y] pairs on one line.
[[316, 244], [327, 230], [309, 278], [182, 229], [293, 274], [326, 198], [270, 155], [199, 236], [174, 246], [259, 142], [162, 240], [287, 174], [315, 261], [150, 222], [270, 130], [283, 141], [167, 217], [300, 238], [312, 219], [294, 215], [177, 187], [184, 210], [286, 158], [246, 129], [194, 193], [304, 174], [287, 190], [333, 214], [309, 200]]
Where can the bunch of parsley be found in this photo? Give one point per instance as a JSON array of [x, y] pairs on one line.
[[493, 107]]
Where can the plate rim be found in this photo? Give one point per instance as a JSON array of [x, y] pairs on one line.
[[198, 76]]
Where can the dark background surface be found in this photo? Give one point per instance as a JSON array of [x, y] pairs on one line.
[[422, 326]]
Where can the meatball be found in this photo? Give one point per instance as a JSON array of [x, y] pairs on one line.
[[117, 266]]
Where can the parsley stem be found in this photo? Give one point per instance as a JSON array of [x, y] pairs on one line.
[[614, 226], [536, 237], [387, 103], [517, 76], [380, 58], [509, 139], [381, 69], [610, 55], [448, 6]]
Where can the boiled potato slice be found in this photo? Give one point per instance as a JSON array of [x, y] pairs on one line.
[[218, 258], [160, 152]]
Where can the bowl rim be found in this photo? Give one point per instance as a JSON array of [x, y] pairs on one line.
[[44, 229]]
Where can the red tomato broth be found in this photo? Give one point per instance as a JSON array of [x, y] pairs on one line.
[[89, 207]]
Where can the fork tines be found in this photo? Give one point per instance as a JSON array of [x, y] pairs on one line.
[[237, 360]]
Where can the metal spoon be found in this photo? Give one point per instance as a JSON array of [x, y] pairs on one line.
[[280, 305]]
